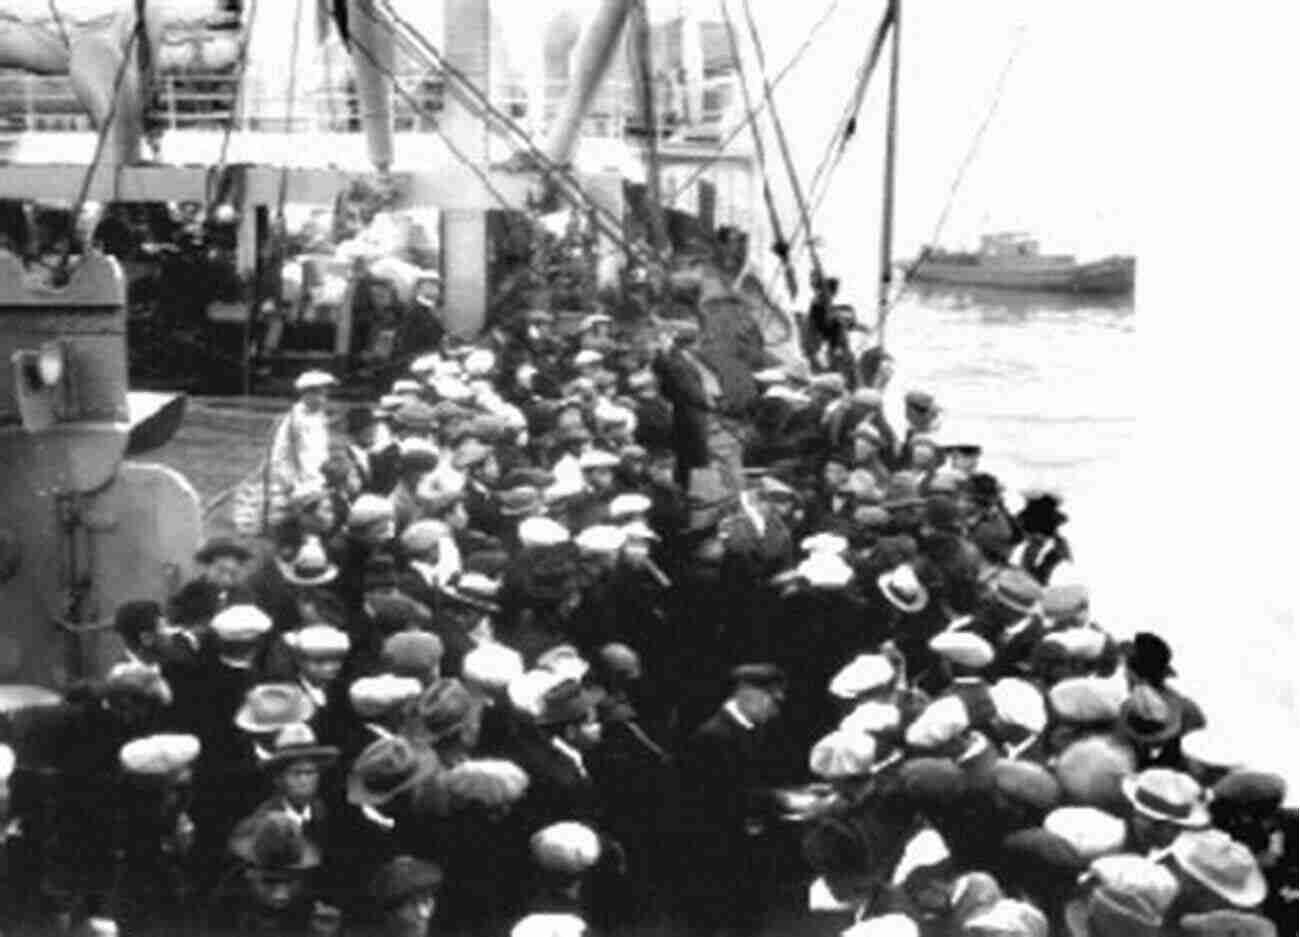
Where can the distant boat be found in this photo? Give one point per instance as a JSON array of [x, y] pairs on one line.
[[1012, 261]]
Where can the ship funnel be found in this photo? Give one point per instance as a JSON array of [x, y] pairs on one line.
[[374, 57], [591, 61]]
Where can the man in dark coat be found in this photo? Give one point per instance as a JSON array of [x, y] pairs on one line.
[[654, 414], [693, 389], [561, 785], [373, 470], [729, 769]]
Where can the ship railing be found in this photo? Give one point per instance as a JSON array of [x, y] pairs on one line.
[[199, 100]]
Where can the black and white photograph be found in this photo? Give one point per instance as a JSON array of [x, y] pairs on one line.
[[646, 468]]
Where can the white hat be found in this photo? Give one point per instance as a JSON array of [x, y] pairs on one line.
[[480, 362], [564, 661], [405, 385], [425, 364], [625, 505], [240, 623], [606, 412], [825, 571], [872, 716], [319, 641], [314, 380], [824, 543], [770, 376], [1132, 873], [964, 648], [373, 696], [1007, 916], [1019, 703], [1082, 643], [939, 723], [492, 666], [159, 755], [597, 459], [7, 763], [596, 318], [887, 925], [453, 389], [860, 676], [587, 357], [527, 690], [541, 532], [601, 539], [1092, 832], [423, 535], [566, 847], [1087, 699], [370, 509], [550, 924], [903, 590], [389, 403], [923, 850], [842, 754], [639, 530]]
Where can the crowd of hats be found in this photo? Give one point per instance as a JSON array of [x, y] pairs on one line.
[[997, 763]]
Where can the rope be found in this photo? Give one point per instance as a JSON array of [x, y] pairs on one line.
[[844, 132], [241, 67], [966, 162], [58, 21], [779, 128], [289, 115], [645, 81], [780, 246], [100, 140], [752, 115]]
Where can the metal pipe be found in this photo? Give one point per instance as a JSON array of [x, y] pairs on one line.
[[374, 58], [592, 58]]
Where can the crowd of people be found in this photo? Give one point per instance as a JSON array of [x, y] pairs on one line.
[[517, 657]]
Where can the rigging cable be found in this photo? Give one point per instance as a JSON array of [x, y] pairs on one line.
[[845, 129], [780, 246], [289, 115], [572, 189], [645, 80], [752, 115], [779, 128], [241, 67], [101, 139], [966, 162]]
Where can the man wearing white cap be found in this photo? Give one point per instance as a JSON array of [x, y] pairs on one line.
[[301, 444]]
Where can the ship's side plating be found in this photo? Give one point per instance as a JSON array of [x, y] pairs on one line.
[[81, 528]]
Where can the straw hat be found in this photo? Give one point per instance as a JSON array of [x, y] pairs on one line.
[[963, 648], [240, 624], [492, 666], [1221, 864], [269, 707], [1169, 796], [314, 380], [843, 754], [373, 697], [903, 590], [319, 642], [386, 769]]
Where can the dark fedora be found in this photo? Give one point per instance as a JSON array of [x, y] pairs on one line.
[[1042, 514], [566, 702], [388, 768], [274, 842], [358, 419], [1150, 718], [443, 707], [764, 676], [1148, 655]]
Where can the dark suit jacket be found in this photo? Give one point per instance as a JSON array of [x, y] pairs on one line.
[[683, 388], [558, 790]]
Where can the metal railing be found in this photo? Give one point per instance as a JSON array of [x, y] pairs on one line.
[[211, 100]]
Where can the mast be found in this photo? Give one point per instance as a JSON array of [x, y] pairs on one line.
[[887, 203]]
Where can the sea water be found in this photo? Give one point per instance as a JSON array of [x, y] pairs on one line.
[[1050, 385]]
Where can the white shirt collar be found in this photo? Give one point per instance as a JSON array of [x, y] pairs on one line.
[[754, 514], [428, 572], [1016, 749], [732, 708], [377, 818], [301, 817]]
